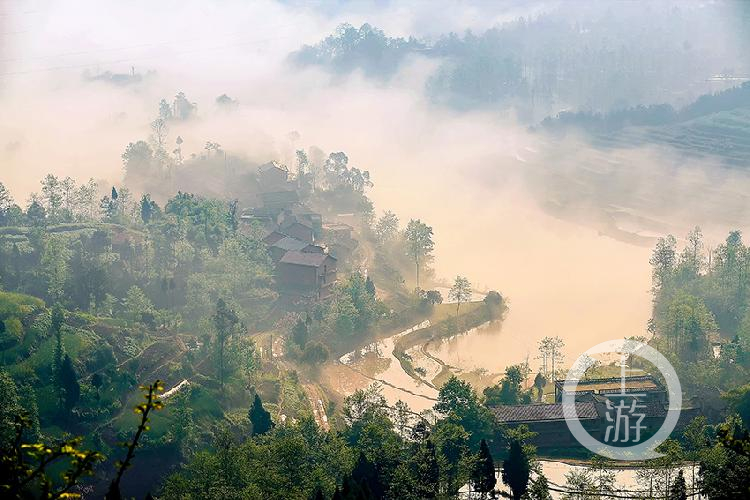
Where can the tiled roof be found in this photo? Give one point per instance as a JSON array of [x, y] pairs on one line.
[[273, 237], [304, 258], [606, 385], [289, 243], [541, 412]]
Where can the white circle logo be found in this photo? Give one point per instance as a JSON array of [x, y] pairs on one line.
[[618, 417]]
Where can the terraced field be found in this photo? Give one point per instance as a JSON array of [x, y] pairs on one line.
[[724, 136]]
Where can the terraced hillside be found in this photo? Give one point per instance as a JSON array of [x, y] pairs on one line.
[[724, 136]]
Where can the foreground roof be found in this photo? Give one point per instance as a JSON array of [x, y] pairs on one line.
[[541, 412]]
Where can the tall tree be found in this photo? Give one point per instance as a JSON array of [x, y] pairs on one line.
[[69, 383], [483, 476], [539, 383], [259, 418], [460, 292], [539, 488], [386, 228], [225, 322], [370, 286], [517, 469], [678, 491], [663, 262], [419, 242], [55, 328]]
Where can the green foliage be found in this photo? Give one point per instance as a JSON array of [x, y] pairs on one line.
[[260, 419], [71, 389], [483, 474], [418, 236], [509, 390], [517, 469], [459, 403]]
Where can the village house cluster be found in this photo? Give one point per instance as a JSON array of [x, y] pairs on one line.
[[306, 251]]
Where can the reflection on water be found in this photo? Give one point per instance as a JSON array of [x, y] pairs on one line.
[[484, 347]]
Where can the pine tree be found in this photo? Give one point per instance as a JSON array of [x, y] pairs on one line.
[[300, 333], [366, 475], [516, 470], [678, 491], [370, 286], [318, 495], [539, 489], [483, 476], [69, 382], [259, 418]]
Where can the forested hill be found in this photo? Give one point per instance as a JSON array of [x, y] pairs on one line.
[[570, 58], [716, 125]]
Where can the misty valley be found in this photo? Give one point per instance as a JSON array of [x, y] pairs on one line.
[[375, 250]]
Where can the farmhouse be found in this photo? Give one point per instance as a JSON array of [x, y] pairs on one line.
[[308, 273]]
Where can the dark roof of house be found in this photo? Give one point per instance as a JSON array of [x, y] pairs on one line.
[[273, 237], [289, 243], [308, 259], [636, 383], [289, 223], [541, 412]]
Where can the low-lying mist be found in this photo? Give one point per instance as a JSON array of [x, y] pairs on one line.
[[561, 229]]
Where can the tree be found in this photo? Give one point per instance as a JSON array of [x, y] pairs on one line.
[[69, 383], [550, 351], [300, 333], [483, 475], [55, 267], [6, 202], [539, 488], [365, 474], [137, 304], [517, 469], [539, 383], [509, 391], [52, 197], [57, 319], [149, 208], [419, 242], [259, 417], [36, 213], [460, 292], [458, 401], [663, 261], [225, 322], [386, 228], [370, 287], [678, 491]]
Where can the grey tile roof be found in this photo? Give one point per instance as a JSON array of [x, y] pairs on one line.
[[289, 243], [541, 412], [304, 258]]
